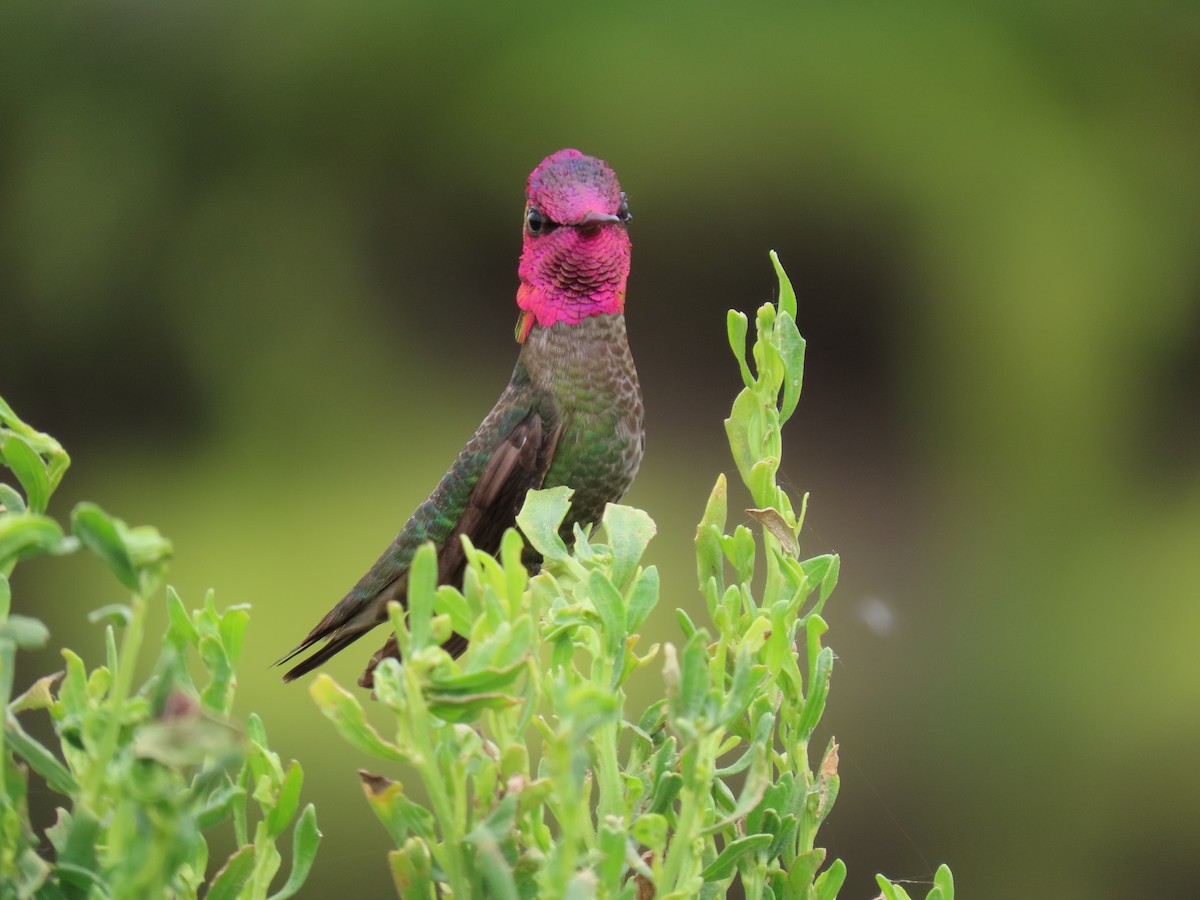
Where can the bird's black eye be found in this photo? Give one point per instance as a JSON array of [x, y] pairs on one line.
[[623, 210], [537, 222]]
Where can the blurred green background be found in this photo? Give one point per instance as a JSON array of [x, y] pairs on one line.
[[257, 272]]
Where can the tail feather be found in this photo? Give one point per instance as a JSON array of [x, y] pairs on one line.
[[336, 643]]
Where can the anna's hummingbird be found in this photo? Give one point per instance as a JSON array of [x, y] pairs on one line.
[[570, 415]]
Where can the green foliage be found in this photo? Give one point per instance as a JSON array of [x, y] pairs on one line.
[[540, 782], [144, 772]]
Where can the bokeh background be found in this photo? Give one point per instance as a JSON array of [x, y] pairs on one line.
[[257, 270]]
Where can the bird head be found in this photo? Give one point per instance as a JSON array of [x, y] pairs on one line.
[[575, 258]]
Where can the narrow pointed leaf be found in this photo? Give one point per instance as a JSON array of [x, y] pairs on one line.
[[29, 469], [287, 802], [830, 881], [791, 350], [723, 865], [348, 716], [891, 891], [737, 326], [305, 840], [41, 760], [787, 295], [98, 532], [233, 875], [422, 582], [642, 599], [943, 881]]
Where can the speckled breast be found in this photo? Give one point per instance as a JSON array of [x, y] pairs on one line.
[[588, 371]]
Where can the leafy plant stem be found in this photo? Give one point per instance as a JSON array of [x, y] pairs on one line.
[[8, 655], [679, 854], [450, 849], [131, 645], [608, 772]]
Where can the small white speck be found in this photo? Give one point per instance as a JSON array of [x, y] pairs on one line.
[[877, 615]]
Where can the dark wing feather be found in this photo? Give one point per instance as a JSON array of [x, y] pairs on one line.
[[517, 466]]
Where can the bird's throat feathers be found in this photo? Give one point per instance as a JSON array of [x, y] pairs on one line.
[[570, 275]]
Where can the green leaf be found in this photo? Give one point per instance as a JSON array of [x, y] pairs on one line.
[[791, 350], [641, 599], [467, 707], [399, 815], [685, 623], [744, 432], [740, 549], [218, 695], [350, 720], [628, 531], [747, 677], [98, 532], [709, 563], [77, 863], [24, 534], [305, 840], [287, 801], [823, 570], [487, 839], [818, 691], [830, 881], [736, 326], [412, 870], [181, 625], [492, 678], [218, 805], [540, 518], [29, 469], [666, 788], [422, 582], [41, 760], [716, 510], [117, 614], [693, 683], [449, 601], [891, 891], [787, 295], [137, 556], [233, 875], [233, 631], [57, 459], [10, 500], [803, 868], [722, 867], [612, 848], [26, 632], [650, 830], [943, 884], [610, 606]]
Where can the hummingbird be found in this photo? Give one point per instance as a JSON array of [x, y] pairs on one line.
[[571, 414]]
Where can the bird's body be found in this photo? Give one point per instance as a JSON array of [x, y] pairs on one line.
[[571, 413]]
